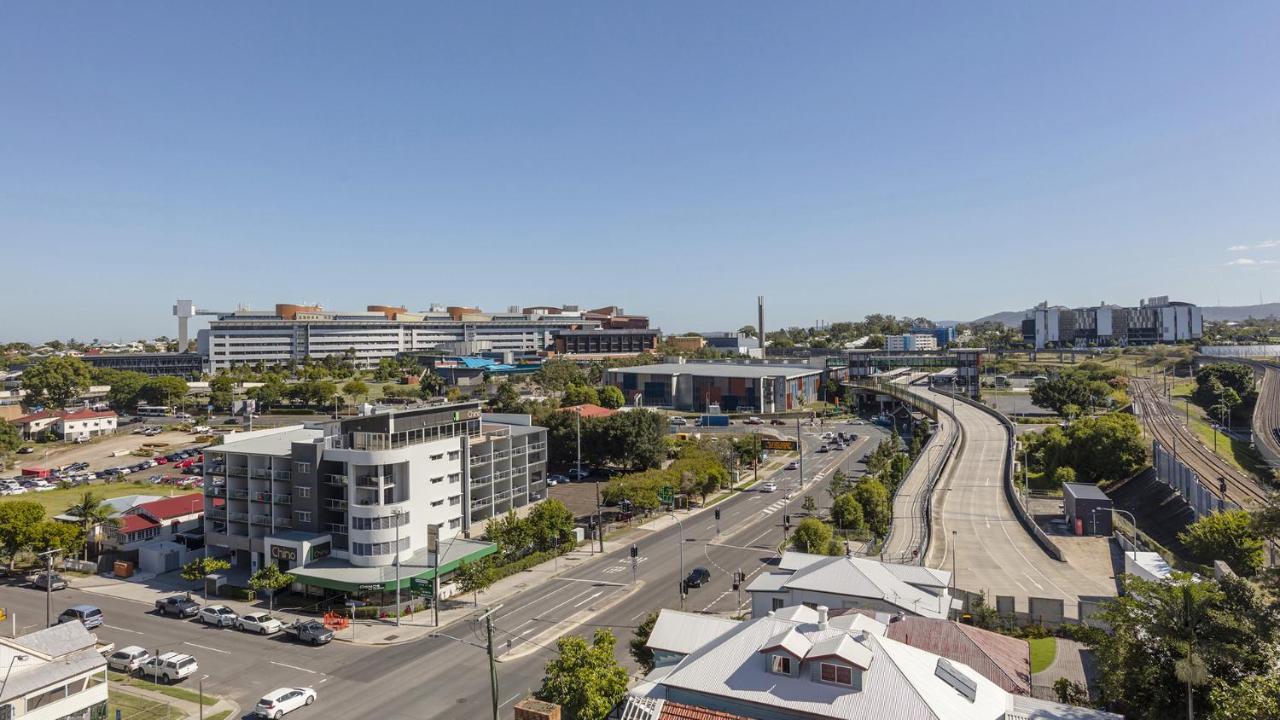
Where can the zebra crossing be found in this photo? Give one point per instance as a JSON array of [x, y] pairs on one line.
[[771, 509]]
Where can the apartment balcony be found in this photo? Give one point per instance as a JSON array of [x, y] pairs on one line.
[[216, 513], [373, 481], [238, 471], [283, 523], [337, 528], [335, 480], [477, 460], [282, 499], [501, 454], [537, 446], [335, 504], [238, 517], [215, 491], [239, 494]]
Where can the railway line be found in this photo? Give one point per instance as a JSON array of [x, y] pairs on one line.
[[1161, 420]]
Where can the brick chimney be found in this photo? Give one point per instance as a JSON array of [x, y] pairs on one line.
[[532, 709]]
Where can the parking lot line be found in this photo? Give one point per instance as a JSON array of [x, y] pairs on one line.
[[294, 667], [205, 647]]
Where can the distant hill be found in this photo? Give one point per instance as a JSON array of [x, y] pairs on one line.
[[1013, 318]]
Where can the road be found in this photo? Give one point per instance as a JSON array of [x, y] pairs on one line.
[[909, 534], [443, 677], [990, 551]]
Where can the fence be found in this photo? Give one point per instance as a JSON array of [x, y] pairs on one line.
[[1200, 497], [1046, 612]]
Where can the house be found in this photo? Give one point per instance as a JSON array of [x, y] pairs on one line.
[[165, 519], [67, 424], [589, 410], [851, 582], [801, 663], [30, 426], [1004, 660], [53, 674]]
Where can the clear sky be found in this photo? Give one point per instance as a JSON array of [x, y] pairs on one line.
[[948, 159]]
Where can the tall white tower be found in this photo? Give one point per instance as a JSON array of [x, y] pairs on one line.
[[184, 310]]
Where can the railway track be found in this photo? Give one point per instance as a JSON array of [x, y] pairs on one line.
[[1161, 420]]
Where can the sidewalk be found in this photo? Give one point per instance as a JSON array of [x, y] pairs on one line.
[[192, 709], [385, 632]]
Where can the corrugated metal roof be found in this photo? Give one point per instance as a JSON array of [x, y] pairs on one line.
[[862, 578], [681, 632], [57, 640], [1004, 660], [843, 647]]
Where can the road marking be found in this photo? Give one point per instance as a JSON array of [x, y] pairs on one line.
[[210, 649], [323, 680], [291, 667], [735, 547], [513, 697], [113, 627], [1033, 581], [516, 628], [593, 582], [587, 600]]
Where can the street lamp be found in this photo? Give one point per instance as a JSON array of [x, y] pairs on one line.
[[680, 525], [396, 512], [12, 660]]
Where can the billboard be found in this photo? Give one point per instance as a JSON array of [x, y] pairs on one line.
[[783, 445]]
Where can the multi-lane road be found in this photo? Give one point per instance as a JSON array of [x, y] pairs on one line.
[[976, 532], [447, 677]]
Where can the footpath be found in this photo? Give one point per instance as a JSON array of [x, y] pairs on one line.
[[418, 625]]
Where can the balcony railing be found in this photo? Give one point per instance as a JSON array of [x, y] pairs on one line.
[[282, 499], [372, 481], [239, 494], [481, 459], [335, 480], [238, 517], [260, 520], [284, 523], [335, 504], [337, 528], [217, 513], [215, 491], [389, 441], [238, 471]]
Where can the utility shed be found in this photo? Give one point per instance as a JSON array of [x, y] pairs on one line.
[[1087, 509]]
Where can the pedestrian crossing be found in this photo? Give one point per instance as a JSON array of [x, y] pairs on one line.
[[771, 509]]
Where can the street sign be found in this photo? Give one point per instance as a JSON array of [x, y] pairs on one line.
[[422, 586], [782, 445], [433, 538], [666, 495]]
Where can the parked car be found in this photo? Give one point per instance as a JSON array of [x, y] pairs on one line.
[[26, 450], [45, 581], [128, 659], [822, 449], [793, 465], [576, 474], [753, 420], [169, 667], [259, 622], [677, 420], [281, 701], [699, 577], [557, 479], [777, 421], [87, 614], [309, 631], [178, 606], [769, 486], [219, 615]]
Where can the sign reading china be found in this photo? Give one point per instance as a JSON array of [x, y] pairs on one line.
[[320, 551], [280, 552]]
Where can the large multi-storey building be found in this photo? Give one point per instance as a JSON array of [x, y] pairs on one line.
[[1154, 320], [910, 342], [337, 503], [295, 332]]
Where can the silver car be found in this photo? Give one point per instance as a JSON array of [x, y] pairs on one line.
[[219, 615]]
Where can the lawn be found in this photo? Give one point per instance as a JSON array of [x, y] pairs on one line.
[[1043, 650], [174, 692], [57, 501], [134, 707]]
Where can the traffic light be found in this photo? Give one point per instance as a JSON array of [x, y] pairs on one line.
[[786, 521], [717, 513], [635, 551], [737, 579]]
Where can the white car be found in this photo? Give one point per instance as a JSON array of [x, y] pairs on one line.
[[169, 667], [219, 615], [769, 487], [277, 703], [679, 421], [128, 659], [259, 622]]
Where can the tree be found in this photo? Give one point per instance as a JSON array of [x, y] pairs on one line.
[[585, 680], [1070, 388], [1256, 697], [54, 535], [580, 395], [557, 375], [640, 651], [635, 439], [1063, 474], [872, 495], [55, 381], [840, 484], [18, 522], [355, 389], [270, 392], [1231, 537], [812, 536], [1100, 449], [163, 390], [748, 330], [1069, 692], [809, 505], [506, 399], [550, 524], [92, 513], [474, 577], [197, 569], [270, 578], [611, 397], [431, 385], [846, 511], [126, 388], [10, 439]]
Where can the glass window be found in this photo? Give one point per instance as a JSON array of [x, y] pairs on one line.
[[303, 492], [777, 603], [837, 674], [302, 516], [455, 523], [47, 697], [454, 454], [780, 664], [302, 468]]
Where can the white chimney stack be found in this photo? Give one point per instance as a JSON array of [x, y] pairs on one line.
[[822, 617]]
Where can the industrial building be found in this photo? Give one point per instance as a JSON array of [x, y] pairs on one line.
[[734, 387], [296, 332], [606, 343], [181, 364], [1154, 320], [337, 503]]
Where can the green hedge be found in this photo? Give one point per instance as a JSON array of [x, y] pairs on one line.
[[528, 561]]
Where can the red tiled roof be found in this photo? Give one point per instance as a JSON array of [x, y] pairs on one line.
[[589, 410], [42, 415], [87, 414], [178, 506], [679, 711], [1004, 660], [135, 523]]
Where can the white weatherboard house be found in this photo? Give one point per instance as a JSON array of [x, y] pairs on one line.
[[800, 664], [851, 582], [53, 674]]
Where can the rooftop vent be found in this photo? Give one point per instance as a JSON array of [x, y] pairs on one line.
[[957, 680]]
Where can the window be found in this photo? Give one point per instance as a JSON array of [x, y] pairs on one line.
[[303, 492], [780, 664], [777, 603], [437, 479], [455, 454], [455, 500], [45, 698], [6, 712], [437, 503], [301, 468], [455, 477], [455, 523], [302, 516], [438, 456], [838, 674]]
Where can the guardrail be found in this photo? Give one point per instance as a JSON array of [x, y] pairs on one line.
[[1011, 490]]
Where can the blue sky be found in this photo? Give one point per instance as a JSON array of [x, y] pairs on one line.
[[947, 160]]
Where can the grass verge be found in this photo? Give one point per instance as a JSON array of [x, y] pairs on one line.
[[173, 692], [220, 716], [1043, 651], [136, 707], [57, 501]]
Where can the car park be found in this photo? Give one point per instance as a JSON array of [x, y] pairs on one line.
[[282, 701], [128, 659], [698, 577], [259, 622], [90, 615], [769, 486], [169, 667], [219, 615]]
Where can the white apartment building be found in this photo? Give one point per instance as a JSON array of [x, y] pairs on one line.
[[53, 674], [1154, 320], [85, 423], [910, 342]]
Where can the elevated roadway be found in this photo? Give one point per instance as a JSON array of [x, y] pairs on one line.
[[977, 533]]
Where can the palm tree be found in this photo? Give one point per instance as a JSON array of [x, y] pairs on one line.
[[92, 513]]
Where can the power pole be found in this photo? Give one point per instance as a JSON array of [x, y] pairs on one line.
[[48, 585], [493, 667]]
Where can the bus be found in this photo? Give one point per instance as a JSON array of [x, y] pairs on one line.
[[154, 410]]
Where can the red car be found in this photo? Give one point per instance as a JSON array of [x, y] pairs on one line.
[[161, 460]]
